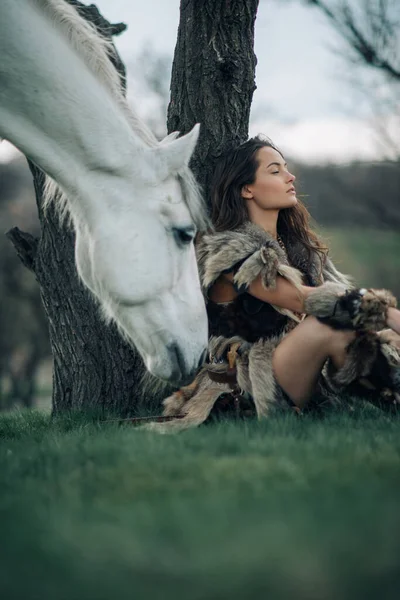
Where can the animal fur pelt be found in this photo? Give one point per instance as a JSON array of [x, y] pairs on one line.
[[364, 310], [371, 369], [193, 404]]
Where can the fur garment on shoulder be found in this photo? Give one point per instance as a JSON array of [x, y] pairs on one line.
[[257, 253]]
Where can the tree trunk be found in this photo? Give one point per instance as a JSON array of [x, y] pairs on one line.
[[212, 83], [213, 77]]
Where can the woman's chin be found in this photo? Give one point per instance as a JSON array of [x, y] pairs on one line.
[[292, 201]]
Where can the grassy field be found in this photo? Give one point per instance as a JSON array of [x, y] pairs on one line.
[[291, 508]]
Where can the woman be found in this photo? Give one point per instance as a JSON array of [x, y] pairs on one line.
[[282, 318]]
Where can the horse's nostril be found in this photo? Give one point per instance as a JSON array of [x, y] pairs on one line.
[[181, 372], [177, 360], [180, 359]]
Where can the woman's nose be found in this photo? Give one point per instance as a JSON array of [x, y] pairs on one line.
[[291, 177]]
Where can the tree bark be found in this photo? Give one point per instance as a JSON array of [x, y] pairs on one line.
[[213, 77]]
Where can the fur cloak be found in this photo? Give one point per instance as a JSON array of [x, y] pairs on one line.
[[250, 252]]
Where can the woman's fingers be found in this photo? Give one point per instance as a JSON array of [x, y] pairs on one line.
[[393, 319], [389, 336]]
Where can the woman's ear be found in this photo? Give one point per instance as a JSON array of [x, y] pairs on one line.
[[246, 192]]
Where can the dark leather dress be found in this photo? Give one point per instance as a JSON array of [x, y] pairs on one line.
[[247, 317]]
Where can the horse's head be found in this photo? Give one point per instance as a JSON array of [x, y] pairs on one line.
[[125, 192], [139, 260]]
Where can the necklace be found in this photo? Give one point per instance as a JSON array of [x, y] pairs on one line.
[[280, 242]]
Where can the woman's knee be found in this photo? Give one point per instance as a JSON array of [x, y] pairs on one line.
[[333, 339], [317, 329], [341, 338]]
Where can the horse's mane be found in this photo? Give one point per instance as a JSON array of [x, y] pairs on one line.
[[96, 51]]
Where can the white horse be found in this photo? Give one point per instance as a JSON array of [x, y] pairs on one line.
[[133, 201]]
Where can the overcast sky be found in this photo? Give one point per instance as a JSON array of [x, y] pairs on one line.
[[301, 101]]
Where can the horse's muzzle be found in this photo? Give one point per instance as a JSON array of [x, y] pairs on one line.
[[182, 373]]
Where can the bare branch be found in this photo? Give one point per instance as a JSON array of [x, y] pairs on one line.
[[371, 33], [26, 246]]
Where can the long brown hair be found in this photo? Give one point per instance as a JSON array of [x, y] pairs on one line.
[[237, 168]]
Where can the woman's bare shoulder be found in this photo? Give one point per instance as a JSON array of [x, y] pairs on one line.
[[222, 290]]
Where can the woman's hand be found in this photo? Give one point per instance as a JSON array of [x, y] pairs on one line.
[[388, 336], [393, 319]]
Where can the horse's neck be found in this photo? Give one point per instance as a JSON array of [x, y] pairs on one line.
[[69, 125]]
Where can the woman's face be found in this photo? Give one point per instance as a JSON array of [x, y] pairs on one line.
[[273, 187]]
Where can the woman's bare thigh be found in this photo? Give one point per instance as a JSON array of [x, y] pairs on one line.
[[299, 358]]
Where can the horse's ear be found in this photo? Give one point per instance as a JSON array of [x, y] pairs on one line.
[[170, 138], [174, 154]]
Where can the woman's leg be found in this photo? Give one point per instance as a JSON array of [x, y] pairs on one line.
[[299, 358]]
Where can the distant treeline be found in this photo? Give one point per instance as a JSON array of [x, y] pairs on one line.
[[361, 194]]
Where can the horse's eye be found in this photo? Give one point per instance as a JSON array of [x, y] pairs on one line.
[[183, 236]]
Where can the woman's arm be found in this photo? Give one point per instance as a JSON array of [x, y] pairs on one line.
[[284, 295]]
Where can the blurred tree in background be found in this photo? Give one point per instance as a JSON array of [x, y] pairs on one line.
[[370, 35], [24, 342], [370, 30]]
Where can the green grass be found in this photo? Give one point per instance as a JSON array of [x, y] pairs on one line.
[[293, 507]]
